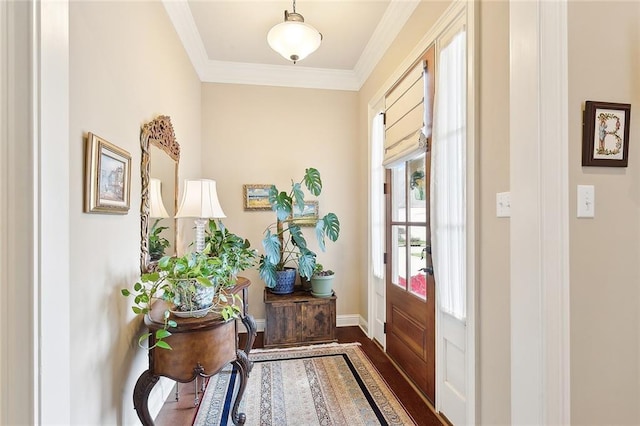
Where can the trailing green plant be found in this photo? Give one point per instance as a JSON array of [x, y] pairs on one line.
[[284, 242], [181, 280], [157, 243]]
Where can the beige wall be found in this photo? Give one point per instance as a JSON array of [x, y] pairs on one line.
[[269, 135], [126, 67], [493, 326], [604, 52]]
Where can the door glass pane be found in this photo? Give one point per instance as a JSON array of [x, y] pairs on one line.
[[399, 197], [417, 190], [398, 256], [418, 260]]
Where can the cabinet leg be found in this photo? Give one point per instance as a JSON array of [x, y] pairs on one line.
[[243, 365], [141, 391]]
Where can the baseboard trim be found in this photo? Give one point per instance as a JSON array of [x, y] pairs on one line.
[[160, 394]]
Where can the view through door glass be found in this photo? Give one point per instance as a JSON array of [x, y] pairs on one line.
[[409, 228]]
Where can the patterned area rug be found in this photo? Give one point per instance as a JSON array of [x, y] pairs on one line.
[[316, 385]]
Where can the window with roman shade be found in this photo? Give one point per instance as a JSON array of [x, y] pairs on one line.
[[405, 117]]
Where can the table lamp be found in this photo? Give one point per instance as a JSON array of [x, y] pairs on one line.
[[200, 201], [156, 206]]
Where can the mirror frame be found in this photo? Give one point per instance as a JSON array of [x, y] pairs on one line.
[[159, 133]]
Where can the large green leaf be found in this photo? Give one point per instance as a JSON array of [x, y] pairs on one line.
[[298, 195], [320, 234], [312, 181], [297, 237], [271, 245], [306, 264], [267, 272], [273, 193], [331, 226], [282, 205]]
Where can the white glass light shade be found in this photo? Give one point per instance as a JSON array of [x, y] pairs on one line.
[[200, 200], [294, 40], [156, 206]]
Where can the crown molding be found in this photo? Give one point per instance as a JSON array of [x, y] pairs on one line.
[[212, 71], [397, 14], [279, 75], [180, 14]]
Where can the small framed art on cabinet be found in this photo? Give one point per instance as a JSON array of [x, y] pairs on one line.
[[107, 177], [605, 134]]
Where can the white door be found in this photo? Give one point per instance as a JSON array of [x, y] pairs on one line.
[[451, 208], [379, 311], [377, 229]]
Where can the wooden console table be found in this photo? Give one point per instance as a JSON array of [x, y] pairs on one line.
[[299, 317], [201, 348]]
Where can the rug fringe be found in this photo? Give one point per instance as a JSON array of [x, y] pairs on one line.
[[298, 348]]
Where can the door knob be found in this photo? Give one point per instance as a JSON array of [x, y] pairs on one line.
[[427, 270]]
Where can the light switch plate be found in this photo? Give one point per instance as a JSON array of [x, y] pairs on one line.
[[586, 201], [503, 204]]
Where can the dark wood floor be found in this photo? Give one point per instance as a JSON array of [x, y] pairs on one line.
[[183, 411]]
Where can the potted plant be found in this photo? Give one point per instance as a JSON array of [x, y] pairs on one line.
[[322, 281], [196, 283], [157, 243], [284, 243], [234, 251]]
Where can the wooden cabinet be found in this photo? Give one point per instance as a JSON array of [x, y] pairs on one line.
[[299, 317]]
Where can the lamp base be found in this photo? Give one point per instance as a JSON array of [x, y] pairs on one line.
[[200, 224]]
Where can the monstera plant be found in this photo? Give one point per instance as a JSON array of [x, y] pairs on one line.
[[284, 242]]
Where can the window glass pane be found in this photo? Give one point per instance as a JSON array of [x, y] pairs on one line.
[[399, 256], [417, 190], [398, 202], [418, 260]]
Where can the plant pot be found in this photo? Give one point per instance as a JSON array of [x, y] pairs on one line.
[[285, 281], [188, 301], [322, 285]]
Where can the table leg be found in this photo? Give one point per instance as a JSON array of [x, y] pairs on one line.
[[141, 391], [252, 331], [243, 365]]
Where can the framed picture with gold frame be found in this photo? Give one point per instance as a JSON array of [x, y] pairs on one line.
[[256, 196], [308, 216], [107, 177]]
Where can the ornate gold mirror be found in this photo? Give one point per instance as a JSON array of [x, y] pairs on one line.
[[159, 172]]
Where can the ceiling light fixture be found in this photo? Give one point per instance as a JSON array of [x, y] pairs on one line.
[[293, 39]]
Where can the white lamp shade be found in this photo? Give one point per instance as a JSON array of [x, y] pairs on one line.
[[200, 200], [294, 40], [156, 206]]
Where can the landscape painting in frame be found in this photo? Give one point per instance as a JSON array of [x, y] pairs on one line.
[[107, 177], [605, 139], [256, 196], [308, 216]]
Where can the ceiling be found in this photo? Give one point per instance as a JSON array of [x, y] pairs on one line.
[[226, 40]]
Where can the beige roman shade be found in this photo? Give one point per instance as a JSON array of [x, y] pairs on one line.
[[404, 117]]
